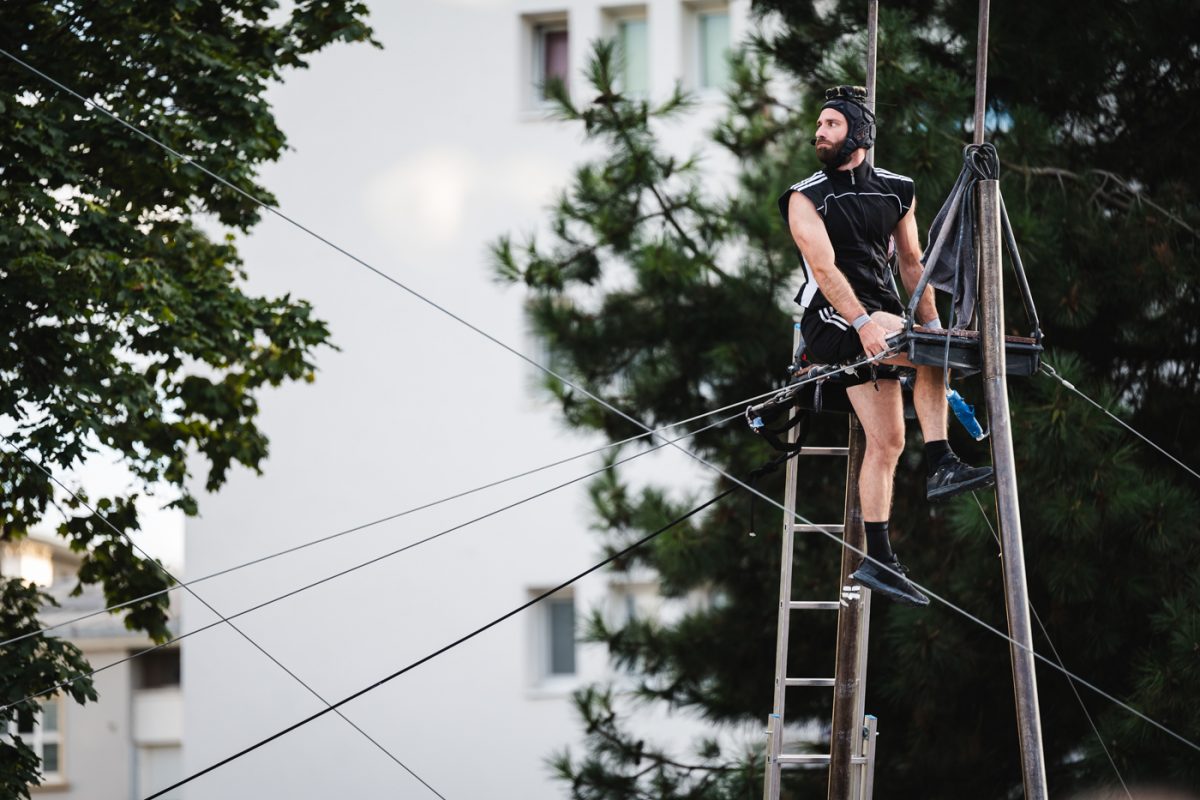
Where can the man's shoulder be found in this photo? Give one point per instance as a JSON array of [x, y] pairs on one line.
[[811, 182], [892, 177], [810, 187]]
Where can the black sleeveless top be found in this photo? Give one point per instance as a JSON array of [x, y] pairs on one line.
[[861, 208]]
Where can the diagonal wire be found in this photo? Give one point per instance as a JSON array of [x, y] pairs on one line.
[[359, 566], [1053, 373], [224, 619], [447, 647], [1058, 658], [365, 525], [600, 401]]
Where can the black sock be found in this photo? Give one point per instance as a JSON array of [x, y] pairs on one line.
[[936, 453], [878, 546]]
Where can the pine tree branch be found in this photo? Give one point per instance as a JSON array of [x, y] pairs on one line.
[[1125, 197], [659, 759], [667, 207]]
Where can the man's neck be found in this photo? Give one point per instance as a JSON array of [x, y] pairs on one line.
[[856, 159]]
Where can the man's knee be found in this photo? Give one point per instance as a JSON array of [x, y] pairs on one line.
[[885, 442]]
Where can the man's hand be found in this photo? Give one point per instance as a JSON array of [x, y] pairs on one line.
[[873, 337]]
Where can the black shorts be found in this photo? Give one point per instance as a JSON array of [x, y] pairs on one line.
[[830, 339]]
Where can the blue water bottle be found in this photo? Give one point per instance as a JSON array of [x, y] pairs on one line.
[[965, 413]]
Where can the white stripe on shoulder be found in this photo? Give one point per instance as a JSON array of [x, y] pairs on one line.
[[888, 174], [811, 180]]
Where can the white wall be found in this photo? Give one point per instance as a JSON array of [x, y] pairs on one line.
[[414, 158], [97, 754]]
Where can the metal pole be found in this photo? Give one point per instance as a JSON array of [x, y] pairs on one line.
[[850, 669], [775, 721], [846, 780], [991, 317], [1016, 591], [872, 60], [981, 58]]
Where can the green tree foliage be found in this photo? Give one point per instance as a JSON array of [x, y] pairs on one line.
[[671, 295], [125, 325]]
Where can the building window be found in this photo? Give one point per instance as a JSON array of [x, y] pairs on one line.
[[551, 56], [560, 636], [157, 669], [712, 45], [42, 733], [553, 663], [633, 49]]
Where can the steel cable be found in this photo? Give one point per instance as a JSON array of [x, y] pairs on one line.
[[552, 373]]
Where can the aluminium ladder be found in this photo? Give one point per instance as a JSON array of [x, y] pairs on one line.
[[851, 759]]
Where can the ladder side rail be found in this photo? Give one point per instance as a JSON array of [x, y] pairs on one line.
[[775, 723], [870, 732]]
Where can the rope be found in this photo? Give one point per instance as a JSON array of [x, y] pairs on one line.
[[145, 556], [381, 520], [552, 373], [445, 648], [355, 568], [1049, 370]]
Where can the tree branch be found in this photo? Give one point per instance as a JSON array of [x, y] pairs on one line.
[[1125, 196]]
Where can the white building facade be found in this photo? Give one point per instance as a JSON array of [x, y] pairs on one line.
[[415, 158], [127, 743]]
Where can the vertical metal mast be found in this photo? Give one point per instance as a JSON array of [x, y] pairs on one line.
[[847, 736], [846, 780], [1016, 593], [872, 60]]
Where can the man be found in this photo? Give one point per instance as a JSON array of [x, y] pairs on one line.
[[843, 220]]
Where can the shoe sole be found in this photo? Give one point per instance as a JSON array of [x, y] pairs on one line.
[[946, 492], [890, 591]]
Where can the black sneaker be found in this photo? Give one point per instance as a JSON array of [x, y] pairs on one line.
[[954, 477], [889, 580]]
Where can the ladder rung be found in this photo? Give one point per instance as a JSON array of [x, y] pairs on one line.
[[815, 758], [809, 682], [814, 605], [804, 758], [825, 451], [832, 527]]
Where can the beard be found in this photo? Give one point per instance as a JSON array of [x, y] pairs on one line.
[[828, 154]]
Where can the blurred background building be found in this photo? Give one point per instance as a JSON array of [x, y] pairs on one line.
[[129, 742], [415, 157]]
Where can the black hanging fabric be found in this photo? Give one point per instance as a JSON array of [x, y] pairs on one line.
[[955, 268]]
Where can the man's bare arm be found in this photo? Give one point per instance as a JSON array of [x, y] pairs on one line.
[[908, 248], [808, 229]]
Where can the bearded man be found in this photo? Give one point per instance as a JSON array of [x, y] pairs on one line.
[[845, 220]]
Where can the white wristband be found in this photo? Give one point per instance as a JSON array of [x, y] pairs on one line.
[[863, 319], [934, 324]]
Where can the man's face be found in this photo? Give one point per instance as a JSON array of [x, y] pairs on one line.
[[830, 134]]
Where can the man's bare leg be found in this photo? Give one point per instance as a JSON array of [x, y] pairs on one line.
[[880, 409], [882, 416], [947, 474], [929, 395]]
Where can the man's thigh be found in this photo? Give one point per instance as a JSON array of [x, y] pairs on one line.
[[891, 323], [881, 410]]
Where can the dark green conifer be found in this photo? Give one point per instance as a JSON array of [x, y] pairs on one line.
[[669, 295]]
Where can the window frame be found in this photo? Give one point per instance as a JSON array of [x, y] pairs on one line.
[[37, 739], [694, 45], [614, 21], [536, 28], [543, 680]]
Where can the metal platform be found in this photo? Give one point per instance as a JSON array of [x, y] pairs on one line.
[[1023, 354]]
